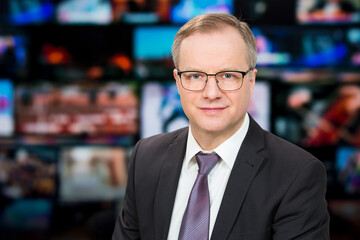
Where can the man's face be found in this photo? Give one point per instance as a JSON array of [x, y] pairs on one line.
[[212, 111]]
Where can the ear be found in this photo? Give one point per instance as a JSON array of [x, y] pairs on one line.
[[252, 79], [176, 77]]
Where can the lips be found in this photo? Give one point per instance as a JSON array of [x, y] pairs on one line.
[[212, 110]]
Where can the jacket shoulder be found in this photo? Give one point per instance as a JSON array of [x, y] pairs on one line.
[[164, 139]]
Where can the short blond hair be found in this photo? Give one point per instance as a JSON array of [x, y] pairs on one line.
[[215, 22]]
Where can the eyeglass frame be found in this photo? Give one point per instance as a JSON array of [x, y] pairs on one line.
[[217, 81]]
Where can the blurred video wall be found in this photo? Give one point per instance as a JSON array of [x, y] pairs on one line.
[[81, 81]]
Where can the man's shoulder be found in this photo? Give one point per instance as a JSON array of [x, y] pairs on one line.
[[163, 139], [278, 143], [278, 149]]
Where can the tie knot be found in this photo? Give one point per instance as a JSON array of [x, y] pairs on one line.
[[206, 162]]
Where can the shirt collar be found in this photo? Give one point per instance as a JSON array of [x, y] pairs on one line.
[[227, 151]]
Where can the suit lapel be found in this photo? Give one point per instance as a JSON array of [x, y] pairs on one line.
[[244, 170], [169, 177]]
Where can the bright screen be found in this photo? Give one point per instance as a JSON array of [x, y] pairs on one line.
[[315, 115], [92, 173], [152, 51], [184, 10], [23, 12], [84, 12], [348, 170], [328, 11], [6, 108], [73, 109]]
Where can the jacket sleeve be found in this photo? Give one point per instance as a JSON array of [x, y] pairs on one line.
[[302, 213], [127, 227]]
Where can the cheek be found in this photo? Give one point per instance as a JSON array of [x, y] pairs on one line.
[[241, 103], [187, 101]]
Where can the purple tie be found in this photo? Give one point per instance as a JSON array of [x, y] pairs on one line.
[[196, 220]]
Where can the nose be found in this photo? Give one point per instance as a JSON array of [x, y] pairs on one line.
[[212, 90]]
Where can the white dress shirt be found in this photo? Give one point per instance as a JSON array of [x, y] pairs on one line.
[[217, 178]]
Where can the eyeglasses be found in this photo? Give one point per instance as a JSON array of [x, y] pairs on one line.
[[226, 80]]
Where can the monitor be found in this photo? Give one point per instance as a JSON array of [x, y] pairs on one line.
[[161, 109], [327, 11], [260, 104], [347, 168], [96, 12], [318, 114], [152, 51], [6, 108], [184, 10], [28, 172], [75, 109], [92, 173], [24, 12], [13, 56], [140, 11]]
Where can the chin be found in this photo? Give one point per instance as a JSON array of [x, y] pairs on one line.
[[212, 128]]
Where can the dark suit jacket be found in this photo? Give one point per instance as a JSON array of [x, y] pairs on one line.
[[275, 190]]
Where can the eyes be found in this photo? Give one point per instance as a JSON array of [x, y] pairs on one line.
[[226, 80], [228, 75], [220, 76], [193, 76]]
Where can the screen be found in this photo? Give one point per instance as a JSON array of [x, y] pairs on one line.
[[305, 48], [6, 108], [161, 109], [84, 12], [92, 173], [184, 10], [28, 172], [85, 52], [152, 51], [28, 188], [327, 11], [13, 56], [26, 219], [23, 12], [315, 115], [74, 109], [348, 170], [260, 104], [140, 11], [272, 47], [353, 38]]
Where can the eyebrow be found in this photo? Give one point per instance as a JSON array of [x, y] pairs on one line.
[[221, 70]]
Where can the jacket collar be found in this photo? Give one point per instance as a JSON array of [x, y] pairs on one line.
[[246, 166], [172, 161]]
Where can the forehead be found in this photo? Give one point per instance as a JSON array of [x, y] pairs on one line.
[[213, 49]]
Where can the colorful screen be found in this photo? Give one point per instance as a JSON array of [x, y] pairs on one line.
[[348, 170], [84, 12], [152, 51], [327, 11], [13, 55], [184, 10], [23, 12], [73, 109], [161, 109], [140, 11], [315, 115], [92, 173], [6, 108]]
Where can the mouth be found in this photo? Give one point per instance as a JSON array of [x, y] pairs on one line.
[[212, 110]]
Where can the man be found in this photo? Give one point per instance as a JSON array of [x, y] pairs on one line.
[[261, 186]]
